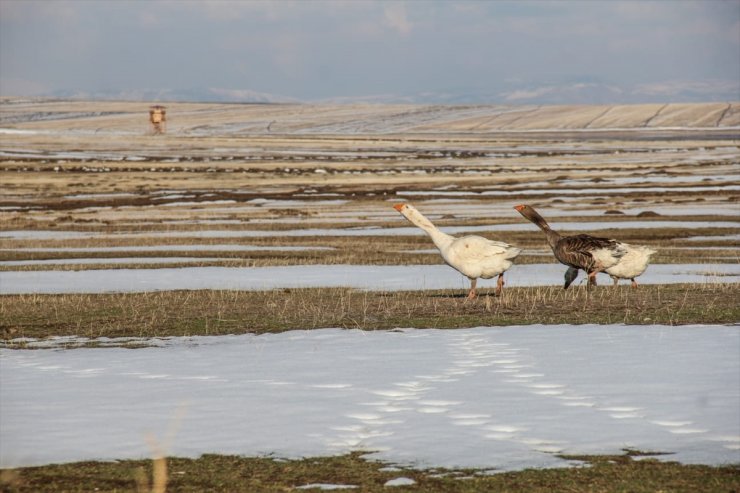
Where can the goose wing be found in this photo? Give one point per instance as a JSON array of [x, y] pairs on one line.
[[476, 248], [583, 251]]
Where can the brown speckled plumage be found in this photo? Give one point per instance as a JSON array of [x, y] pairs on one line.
[[575, 251], [582, 251]]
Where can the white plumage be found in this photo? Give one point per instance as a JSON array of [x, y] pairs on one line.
[[610, 257], [632, 264], [473, 256]]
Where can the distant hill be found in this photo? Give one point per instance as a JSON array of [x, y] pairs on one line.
[[365, 119], [200, 94], [575, 92]]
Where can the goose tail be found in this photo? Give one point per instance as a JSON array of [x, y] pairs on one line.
[[512, 253]]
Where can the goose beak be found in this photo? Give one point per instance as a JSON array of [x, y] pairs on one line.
[[398, 207], [519, 207]]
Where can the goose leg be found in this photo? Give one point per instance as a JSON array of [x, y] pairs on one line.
[[500, 284], [616, 280], [595, 269], [634, 283], [472, 294], [592, 279]]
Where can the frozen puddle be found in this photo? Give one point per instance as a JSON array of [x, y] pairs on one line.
[[504, 397], [371, 277]]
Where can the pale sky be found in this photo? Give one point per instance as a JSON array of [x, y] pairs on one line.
[[502, 51]]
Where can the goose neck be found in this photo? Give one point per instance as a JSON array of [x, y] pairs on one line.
[[552, 236], [439, 238]]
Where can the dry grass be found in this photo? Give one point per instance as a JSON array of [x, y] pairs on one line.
[[183, 313], [220, 473], [351, 250]]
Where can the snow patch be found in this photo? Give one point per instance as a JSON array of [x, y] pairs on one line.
[[278, 395], [369, 277]]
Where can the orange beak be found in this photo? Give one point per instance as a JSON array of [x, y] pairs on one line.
[[398, 207], [519, 207]]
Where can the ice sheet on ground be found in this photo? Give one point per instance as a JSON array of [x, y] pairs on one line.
[[370, 277], [102, 195], [567, 191], [464, 208], [123, 260], [489, 397], [173, 248], [373, 230], [43, 235], [713, 238], [650, 178]]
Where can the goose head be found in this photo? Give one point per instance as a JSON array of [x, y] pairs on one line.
[[531, 214], [405, 209], [525, 210], [539, 221], [414, 216]]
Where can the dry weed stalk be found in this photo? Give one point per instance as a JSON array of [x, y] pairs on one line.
[[158, 449], [159, 468]]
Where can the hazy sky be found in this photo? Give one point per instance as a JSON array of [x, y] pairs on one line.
[[312, 50]]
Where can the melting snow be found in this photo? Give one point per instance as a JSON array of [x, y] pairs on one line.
[[713, 238], [400, 482], [124, 260], [372, 230], [567, 191], [372, 277], [488, 397], [173, 248]]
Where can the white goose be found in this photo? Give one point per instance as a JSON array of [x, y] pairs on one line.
[[632, 264], [473, 256]]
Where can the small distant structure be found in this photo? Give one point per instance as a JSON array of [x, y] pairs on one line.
[[158, 118]]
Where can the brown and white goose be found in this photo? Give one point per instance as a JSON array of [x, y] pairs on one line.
[[473, 256], [590, 253]]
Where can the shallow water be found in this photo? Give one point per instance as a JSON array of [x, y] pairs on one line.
[[371, 277], [489, 397], [713, 238], [464, 208], [373, 230], [569, 191], [123, 260], [172, 248]]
